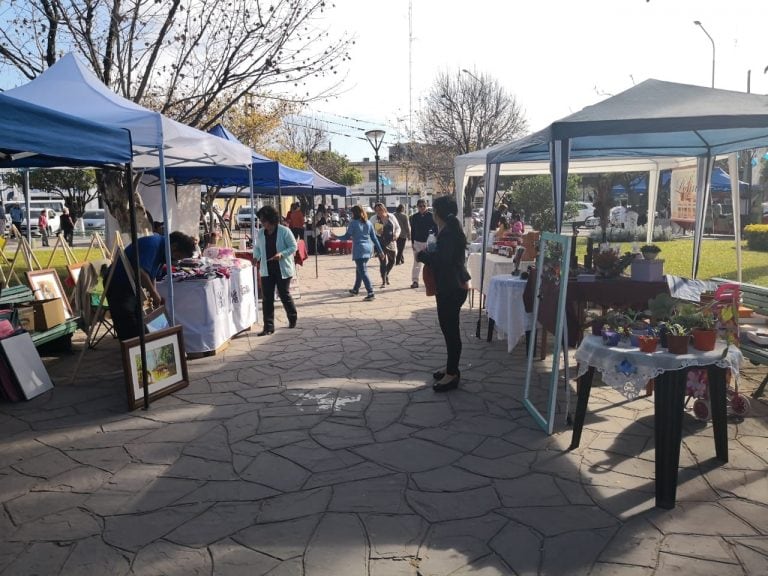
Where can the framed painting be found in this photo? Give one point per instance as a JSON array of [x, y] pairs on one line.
[[156, 320], [46, 285], [542, 376], [74, 272], [166, 368]]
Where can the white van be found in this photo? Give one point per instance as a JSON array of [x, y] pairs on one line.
[[55, 209]]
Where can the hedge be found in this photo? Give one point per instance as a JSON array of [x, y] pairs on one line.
[[757, 237]]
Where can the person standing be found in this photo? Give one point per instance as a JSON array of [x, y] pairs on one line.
[[387, 231], [274, 249], [17, 215], [452, 284], [405, 233], [121, 292], [295, 221], [364, 245], [42, 226], [68, 226], [422, 225]]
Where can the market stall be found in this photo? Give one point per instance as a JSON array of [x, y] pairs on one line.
[[214, 299]]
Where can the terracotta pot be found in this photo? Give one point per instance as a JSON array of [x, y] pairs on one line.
[[677, 344], [648, 343], [704, 340]]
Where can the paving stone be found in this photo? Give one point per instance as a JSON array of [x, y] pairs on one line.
[[7, 527], [233, 559], [438, 507], [295, 505], [752, 553], [384, 494], [314, 457], [228, 491], [512, 466], [108, 459], [41, 558], [392, 567], [293, 567], [276, 472], [159, 494], [674, 564], [34, 505], [201, 469], [59, 527], [156, 452], [607, 569], [520, 547], [91, 557], [334, 436], [217, 522], [748, 484], [242, 426], [637, 542], [282, 540], [338, 547], [703, 518], [394, 535], [532, 489], [481, 424], [575, 552], [703, 450], [167, 558], [135, 477], [622, 503], [357, 472], [84, 438], [178, 432], [83, 480], [281, 424], [456, 547], [427, 414], [134, 531], [46, 465], [411, 455], [554, 520], [496, 448], [13, 485], [385, 409], [448, 479], [213, 445], [712, 548], [754, 514]]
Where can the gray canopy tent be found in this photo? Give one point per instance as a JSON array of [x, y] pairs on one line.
[[651, 126]]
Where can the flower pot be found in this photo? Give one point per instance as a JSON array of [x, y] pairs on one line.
[[636, 333], [704, 340], [610, 338], [648, 343], [677, 344], [649, 255]]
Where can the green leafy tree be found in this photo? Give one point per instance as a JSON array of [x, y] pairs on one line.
[[76, 187], [533, 195]]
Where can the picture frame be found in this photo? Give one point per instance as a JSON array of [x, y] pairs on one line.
[[74, 271], [167, 364], [46, 285], [156, 320]]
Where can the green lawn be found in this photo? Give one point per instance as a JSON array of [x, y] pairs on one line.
[[718, 258], [59, 262]]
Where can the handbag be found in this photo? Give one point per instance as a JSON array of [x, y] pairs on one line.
[[429, 279]]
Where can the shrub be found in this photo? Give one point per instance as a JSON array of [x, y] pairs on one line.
[[614, 234], [757, 237]]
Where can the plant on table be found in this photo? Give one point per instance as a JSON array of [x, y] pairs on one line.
[[704, 323], [678, 336], [650, 251]]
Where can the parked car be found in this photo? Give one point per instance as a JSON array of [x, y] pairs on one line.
[[54, 222], [244, 216], [578, 212], [93, 220]]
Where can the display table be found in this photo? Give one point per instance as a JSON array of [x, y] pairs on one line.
[[213, 310], [506, 310], [628, 370], [494, 266], [339, 246]]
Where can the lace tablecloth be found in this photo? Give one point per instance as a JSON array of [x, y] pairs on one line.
[[628, 370], [505, 307], [494, 265]]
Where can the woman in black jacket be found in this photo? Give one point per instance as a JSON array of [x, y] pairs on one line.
[[452, 284]]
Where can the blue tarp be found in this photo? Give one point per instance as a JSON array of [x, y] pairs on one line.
[[34, 136], [720, 182]]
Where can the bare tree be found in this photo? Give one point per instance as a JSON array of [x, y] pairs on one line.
[[304, 135], [464, 112]]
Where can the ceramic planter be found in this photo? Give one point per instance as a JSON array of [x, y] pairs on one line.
[[648, 343], [677, 344], [649, 255], [704, 340], [610, 338]]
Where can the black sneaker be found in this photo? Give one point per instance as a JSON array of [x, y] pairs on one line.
[[370, 297], [415, 285], [353, 292]]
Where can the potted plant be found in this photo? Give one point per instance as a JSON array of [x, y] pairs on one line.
[[605, 263], [662, 308], [648, 342], [678, 337], [596, 322], [650, 251], [636, 325], [704, 332]]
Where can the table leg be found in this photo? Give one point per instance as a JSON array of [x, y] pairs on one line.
[[717, 392], [491, 325], [669, 400], [583, 388]]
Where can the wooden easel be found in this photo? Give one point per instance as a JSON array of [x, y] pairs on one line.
[[68, 254], [98, 242], [26, 250], [5, 262]]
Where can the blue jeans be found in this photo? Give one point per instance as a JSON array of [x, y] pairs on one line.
[[361, 275]]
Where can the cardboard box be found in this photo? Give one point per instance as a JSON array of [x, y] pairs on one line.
[[48, 313], [26, 317], [648, 270]]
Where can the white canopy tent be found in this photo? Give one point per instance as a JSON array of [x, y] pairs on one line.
[[68, 86]]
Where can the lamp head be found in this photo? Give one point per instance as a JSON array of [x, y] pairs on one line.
[[375, 137], [697, 22]]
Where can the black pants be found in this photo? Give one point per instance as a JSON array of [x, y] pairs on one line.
[[448, 310], [122, 309], [400, 259], [69, 237], [298, 233], [268, 284], [387, 264]]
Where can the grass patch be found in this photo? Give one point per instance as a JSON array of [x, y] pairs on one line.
[[59, 262]]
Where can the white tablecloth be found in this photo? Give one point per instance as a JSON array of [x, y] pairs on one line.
[[494, 265], [628, 370], [505, 307], [211, 311]]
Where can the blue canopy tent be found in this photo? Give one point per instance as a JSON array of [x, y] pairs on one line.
[[720, 181]]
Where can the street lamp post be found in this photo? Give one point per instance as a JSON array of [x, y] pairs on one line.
[[376, 137], [700, 25]]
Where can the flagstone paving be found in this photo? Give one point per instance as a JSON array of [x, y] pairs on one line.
[[323, 451]]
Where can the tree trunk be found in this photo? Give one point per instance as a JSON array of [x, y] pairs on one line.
[[111, 184]]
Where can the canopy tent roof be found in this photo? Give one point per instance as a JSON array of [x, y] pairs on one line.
[[68, 86], [321, 185], [720, 181], [33, 136]]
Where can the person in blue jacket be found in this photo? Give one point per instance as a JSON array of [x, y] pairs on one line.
[[274, 249], [364, 245]]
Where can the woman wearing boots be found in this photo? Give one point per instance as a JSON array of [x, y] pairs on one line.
[[387, 230], [274, 249]]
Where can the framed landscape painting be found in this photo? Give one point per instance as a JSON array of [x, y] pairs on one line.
[[46, 285], [166, 368]]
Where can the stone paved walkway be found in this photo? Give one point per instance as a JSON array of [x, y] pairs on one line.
[[322, 451]]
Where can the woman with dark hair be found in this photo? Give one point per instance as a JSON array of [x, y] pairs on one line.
[[452, 285], [274, 249], [387, 231], [405, 232], [364, 245]]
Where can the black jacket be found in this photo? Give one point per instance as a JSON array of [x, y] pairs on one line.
[[447, 262], [421, 226]]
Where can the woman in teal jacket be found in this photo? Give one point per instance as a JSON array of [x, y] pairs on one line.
[[364, 245], [274, 249]]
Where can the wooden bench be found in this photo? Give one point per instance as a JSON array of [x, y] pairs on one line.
[[21, 294], [756, 298]]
